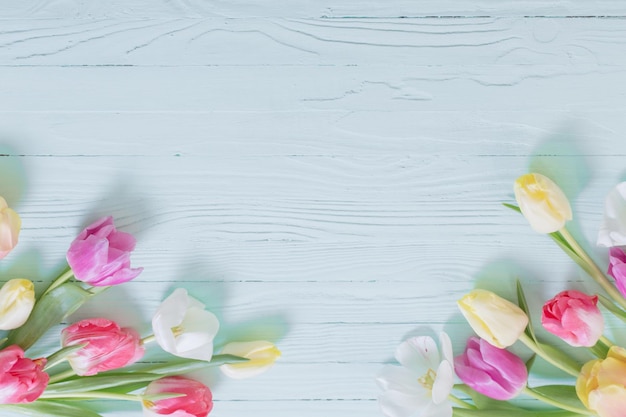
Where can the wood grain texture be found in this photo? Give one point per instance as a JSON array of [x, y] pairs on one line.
[[328, 175]]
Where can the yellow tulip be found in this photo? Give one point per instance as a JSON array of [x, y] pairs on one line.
[[493, 318], [17, 299], [261, 356], [542, 202], [601, 385], [10, 225]]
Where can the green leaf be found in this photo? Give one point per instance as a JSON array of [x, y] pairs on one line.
[[565, 394], [563, 358], [99, 382], [49, 310], [464, 412], [46, 408], [189, 365], [530, 362], [521, 301], [60, 355], [512, 207], [609, 305]]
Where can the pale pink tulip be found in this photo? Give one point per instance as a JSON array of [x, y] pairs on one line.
[[574, 317], [10, 225], [100, 255]]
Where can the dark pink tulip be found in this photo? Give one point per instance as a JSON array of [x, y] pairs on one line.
[[22, 380], [197, 400], [100, 255], [574, 317], [107, 346], [491, 371]]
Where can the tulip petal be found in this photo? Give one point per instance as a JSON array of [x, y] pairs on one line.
[[613, 229], [419, 354], [400, 404], [443, 382], [398, 378]]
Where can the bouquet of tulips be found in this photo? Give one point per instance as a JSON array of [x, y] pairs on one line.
[[98, 359], [491, 377]]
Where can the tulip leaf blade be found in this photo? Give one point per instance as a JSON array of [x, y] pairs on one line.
[[99, 382], [60, 355], [49, 310], [482, 402], [609, 305], [564, 394], [466, 412], [523, 304], [554, 352], [189, 365], [47, 408], [512, 207]]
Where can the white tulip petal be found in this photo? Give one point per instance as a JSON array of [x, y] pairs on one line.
[[418, 354], [613, 229], [437, 410], [446, 347], [398, 378], [443, 382]]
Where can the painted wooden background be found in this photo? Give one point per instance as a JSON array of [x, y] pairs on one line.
[[327, 175]]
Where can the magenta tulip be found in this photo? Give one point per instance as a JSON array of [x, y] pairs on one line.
[[22, 380], [100, 255], [617, 268], [107, 346], [491, 371], [574, 317], [197, 400]]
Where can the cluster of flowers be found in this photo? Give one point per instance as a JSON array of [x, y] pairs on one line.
[[489, 374], [92, 349]]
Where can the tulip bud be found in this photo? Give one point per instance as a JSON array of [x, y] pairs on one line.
[[10, 224], [17, 299], [493, 318], [601, 385], [107, 346], [574, 317], [491, 371], [196, 401], [542, 202], [617, 268], [261, 356]]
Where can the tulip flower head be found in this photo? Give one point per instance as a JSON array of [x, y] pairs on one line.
[[197, 400], [10, 225], [542, 202], [184, 328], [493, 318], [261, 356], [617, 268], [423, 382], [17, 299], [491, 371], [574, 317], [613, 229], [107, 346], [22, 380], [100, 255], [601, 385]]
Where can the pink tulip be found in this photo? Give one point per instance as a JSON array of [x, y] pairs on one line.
[[617, 268], [197, 401], [574, 317], [100, 255], [107, 346], [22, 380], [10, 225], [491, 371]]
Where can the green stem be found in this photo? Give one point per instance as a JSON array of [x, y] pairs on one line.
[[606, 341], [593, 270], [147, 339], [525, 339], [61, 376], [92, 395], [461, 403], [532, 393], [65, 276]]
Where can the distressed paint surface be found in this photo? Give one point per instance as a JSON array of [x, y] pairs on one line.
[[325, 174]]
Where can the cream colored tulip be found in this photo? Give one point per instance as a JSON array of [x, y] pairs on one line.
[[542, 202], [17, 299], [261, 356], [493, 318], [10, 225]]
